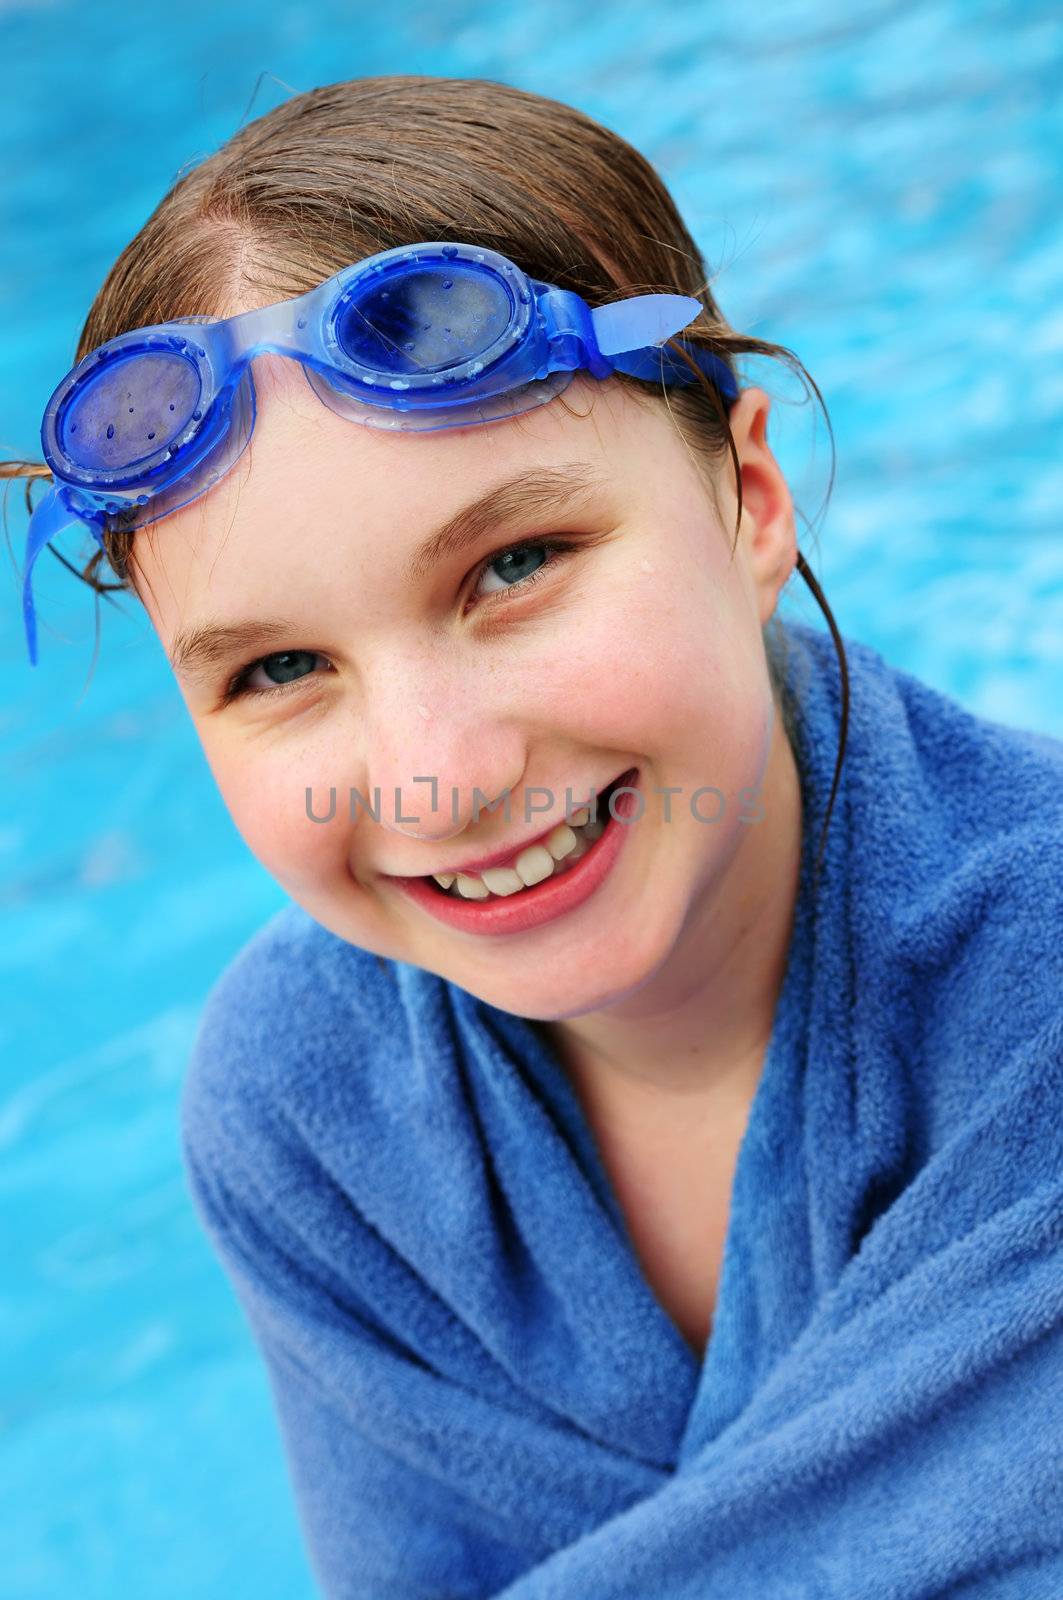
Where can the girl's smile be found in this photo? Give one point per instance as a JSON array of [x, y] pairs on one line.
[[551, 888]]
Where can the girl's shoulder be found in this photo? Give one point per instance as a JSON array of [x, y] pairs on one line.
[[327, 1124], [942, 912], [929, 787], [298, 1019]]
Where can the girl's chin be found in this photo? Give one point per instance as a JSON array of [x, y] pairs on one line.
[[546, 995]]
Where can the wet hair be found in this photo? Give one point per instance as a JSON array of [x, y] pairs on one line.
[[340, 172]]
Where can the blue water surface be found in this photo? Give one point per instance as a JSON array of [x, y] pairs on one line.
[[876, 187]]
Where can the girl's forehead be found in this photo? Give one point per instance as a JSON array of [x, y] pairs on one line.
[[305, 469]]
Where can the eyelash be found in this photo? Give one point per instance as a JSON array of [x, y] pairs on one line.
[[239, 688]]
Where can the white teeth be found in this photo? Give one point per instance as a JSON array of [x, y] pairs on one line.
[[502, 880], [534, 864], [472, 888], [561, 841], [558, 852]]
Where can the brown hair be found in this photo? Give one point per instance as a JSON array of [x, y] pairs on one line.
[[343, 171]]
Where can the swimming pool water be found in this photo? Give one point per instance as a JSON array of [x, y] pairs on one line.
[[875, 187]]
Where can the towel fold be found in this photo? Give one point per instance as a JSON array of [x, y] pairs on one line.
[[478, 1392]]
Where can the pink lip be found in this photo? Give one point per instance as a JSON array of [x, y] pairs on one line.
[[545, 901]]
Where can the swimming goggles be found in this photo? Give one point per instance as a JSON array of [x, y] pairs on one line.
[[425, 336]]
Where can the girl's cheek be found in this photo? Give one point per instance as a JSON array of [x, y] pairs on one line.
[[659, 658], [289, 831], [689, 678]]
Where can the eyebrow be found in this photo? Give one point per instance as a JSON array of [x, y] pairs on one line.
[[199, 650]]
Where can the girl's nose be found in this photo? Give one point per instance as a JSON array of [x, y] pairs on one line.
[[440, 770]]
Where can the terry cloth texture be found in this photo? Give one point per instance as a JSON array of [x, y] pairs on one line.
[[477, 1391]]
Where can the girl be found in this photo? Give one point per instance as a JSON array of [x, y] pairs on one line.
[[641, 1174]]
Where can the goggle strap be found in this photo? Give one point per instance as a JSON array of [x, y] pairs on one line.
[[50, 516], [659, 365], [644, 319]]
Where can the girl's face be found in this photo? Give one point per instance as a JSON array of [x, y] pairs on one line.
[[637, 646]]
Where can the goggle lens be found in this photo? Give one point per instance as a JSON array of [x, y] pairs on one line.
[[423, 320], [128, 410]]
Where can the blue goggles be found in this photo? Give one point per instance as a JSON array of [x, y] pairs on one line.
[[426, 336]]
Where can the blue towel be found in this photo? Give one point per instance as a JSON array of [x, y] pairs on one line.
[[478, 1392]]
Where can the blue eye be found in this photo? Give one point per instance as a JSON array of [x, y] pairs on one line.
[[551, 549], [283, 666]]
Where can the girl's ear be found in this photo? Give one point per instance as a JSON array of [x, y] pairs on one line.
[[767, 528]]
